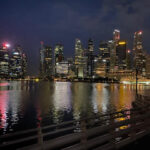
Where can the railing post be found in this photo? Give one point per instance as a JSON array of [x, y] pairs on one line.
[[40, 138], [112, 131], [83, 134], [133, 125]]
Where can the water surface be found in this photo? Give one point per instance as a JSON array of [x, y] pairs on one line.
[[25, 104]]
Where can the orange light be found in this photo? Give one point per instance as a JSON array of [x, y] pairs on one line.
[[122, 43]]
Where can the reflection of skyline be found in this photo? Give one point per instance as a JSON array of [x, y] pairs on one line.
[[62, 96], [54, 102], [3, 109], [81, 93], [100, 97], [61, 100], [122, 96], [10, 104]]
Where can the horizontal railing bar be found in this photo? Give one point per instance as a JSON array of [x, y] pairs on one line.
[[90, 143], [107, 146], [58, 131], [53, 126], [18, 133], [34, 130], [61, 141], [36, 136], [131, 139], [18, 141]]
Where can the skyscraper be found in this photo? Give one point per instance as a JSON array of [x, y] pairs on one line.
[[90, 61], [105, 56], [116, 38], [58, 56], [116, 35], [24, 65], [18, 63], [78, 52], [139, 58], [59, 53], [4, 61], [42, 56], [46, 63], [121, 49], [80, 60], [112, 50], [90, 45]]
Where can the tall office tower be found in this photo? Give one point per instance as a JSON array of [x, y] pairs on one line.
[[112, 50], [90, 61], [42, 56], [129, 60], [116, 35], [78, 52], [104, 56], [59, 53], [79, 61], [139, 58], [116, 38], [48, 62], [58, 56], [24, 65], [148, 66], [18, 63], [4, 61], [121, 49], [90, 45]]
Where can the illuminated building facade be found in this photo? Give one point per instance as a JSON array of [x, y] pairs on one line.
[[104, 59], [139, 58], [148, 66], [18, 63], [129, 60], [80, 60], [121, 49], [58, 52], [78, 52], [58, 55], [4, 62], [24, 64], [116, 38], [13, 63], [62, 69], [42, 56], [116, 35], [71, 68], [112, 49], [90, 58], [46, 63]]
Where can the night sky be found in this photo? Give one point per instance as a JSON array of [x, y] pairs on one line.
[[27, 22]]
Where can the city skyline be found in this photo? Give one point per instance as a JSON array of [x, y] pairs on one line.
[[112, 55], [64, 21]]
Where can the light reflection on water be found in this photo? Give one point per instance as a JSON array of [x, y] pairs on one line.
[[26, 104]]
